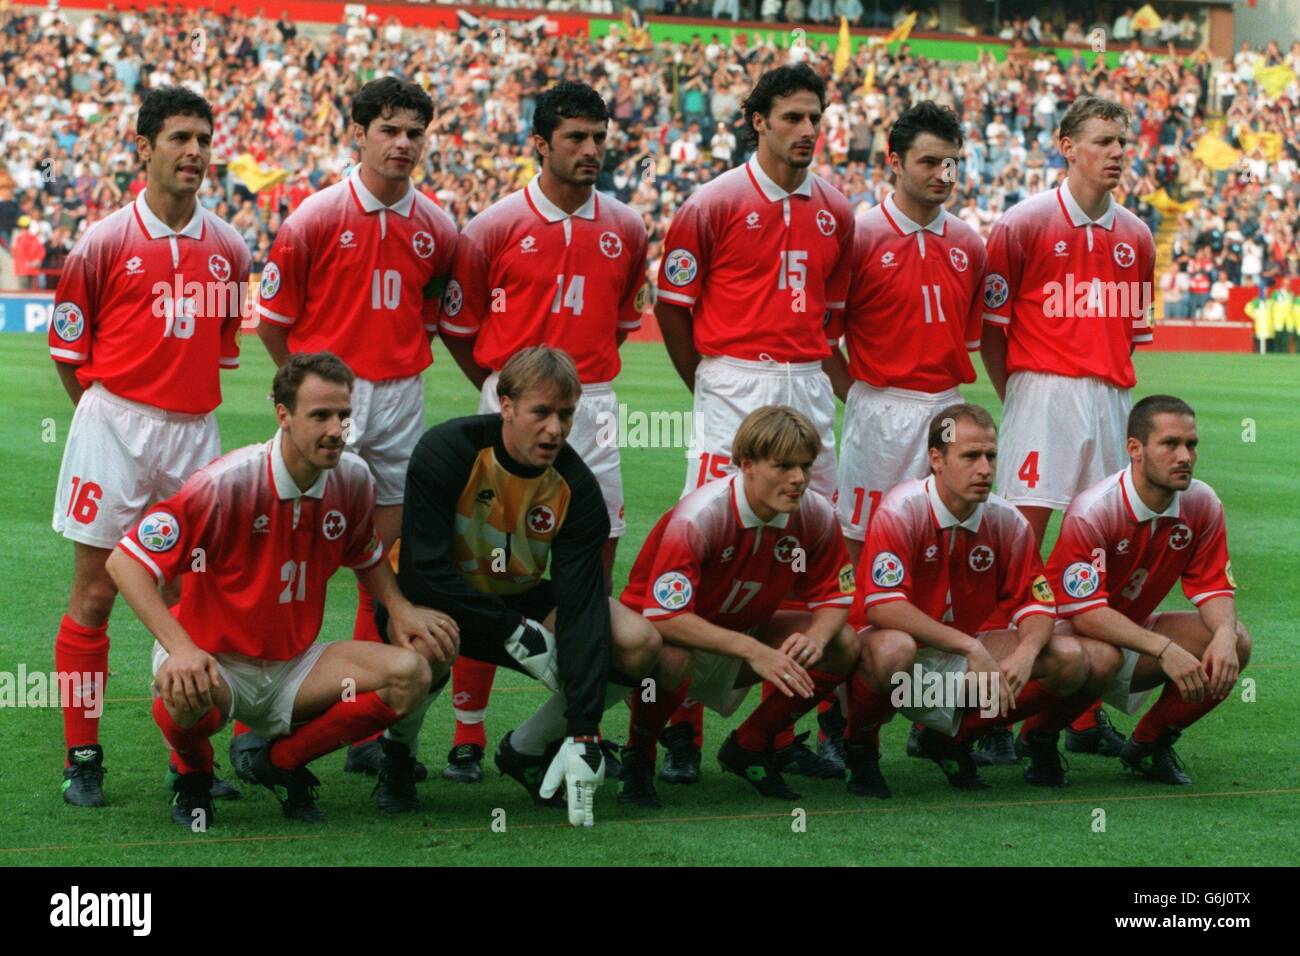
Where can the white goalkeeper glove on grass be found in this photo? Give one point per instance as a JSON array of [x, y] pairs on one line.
[[533, 646], [580, 766]]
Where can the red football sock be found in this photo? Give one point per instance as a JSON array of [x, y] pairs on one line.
[[777, 712], [1171, 712], [1058, 713], [691, 712], [239, 729], [649, 719], [191, 746], [1033, 698], [869, 709], [1088, 719], [343, 723], [786, 735], [363, 628], [82, 650], [471, 688], [824, 708]]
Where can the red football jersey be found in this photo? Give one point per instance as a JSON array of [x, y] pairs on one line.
[[360, 279], [528, 273], [957, 572], [765, 272], [261, 550], [150, 312], [915, 300], [1115, 550], [712, 556], [1073, 294]]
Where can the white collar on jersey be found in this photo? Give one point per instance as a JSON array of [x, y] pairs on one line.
[[908, 226], [747, 517], [158, 229], [771, 190], [945, 517], [1080, 218], [285, 487], [1139, 508], [553, 213], [370, 204]]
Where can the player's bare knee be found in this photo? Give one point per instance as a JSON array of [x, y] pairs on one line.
[[1069, 670], [842, 651], [891, 652], [92, 600], [1104, 663], [408, 680], [1243, 645], [673, 666], [636, 648]]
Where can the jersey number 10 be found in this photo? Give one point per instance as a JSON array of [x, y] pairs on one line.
[[385, 290]]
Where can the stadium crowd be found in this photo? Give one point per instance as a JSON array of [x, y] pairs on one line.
[[280, 89]]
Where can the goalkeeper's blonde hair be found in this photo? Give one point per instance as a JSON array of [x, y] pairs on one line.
[[776, 433]]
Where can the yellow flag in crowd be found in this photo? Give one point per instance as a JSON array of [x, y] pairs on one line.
[[1270, 145], [842, 49], [1147, 20], [256, 177], [1166, 204], [1215, 153], [869, 81], [1274, 79], [903, 30]]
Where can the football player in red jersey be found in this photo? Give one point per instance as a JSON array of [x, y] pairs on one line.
[[1151, 525], [713, 576], [555, 263], [358, 269], [146, 313], [270, 524]]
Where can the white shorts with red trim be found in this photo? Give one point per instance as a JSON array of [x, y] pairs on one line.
[[728, 389], [594, 437], [713, 682], [387, 421], [261, 692], [1059, 436], [121, 457], [883, 442]]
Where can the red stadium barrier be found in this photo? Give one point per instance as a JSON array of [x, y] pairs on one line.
[[1184, 335]]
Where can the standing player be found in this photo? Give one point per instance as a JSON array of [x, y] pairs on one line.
[[1069, 285], [554, 264], [712, 576], [1152, 524], [147, 310], [754, 276], [270, 524], [943, 555], [359, 269], [492, 500]]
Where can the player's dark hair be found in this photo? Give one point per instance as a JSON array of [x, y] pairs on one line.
[[1142, 419], [381, 97], [943, 427], [164, 101], [290, 375], [774, 84], [567, 100], [924, 117], [776, 433], [535, 366], [1091, 107]]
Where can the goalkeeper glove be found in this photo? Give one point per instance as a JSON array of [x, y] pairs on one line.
[[533, 646], [580, 765]]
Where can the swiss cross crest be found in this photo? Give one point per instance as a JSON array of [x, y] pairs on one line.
[[1124, 255], [219, 266], [1180, 537], [960, 261], [785, 549], [422, 243], [541, 519], [611, 245], [334, 525], [981, 557], [825, 222]]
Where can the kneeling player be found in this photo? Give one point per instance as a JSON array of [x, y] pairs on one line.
[[490, 501], [1154, 525], [711, 577], [263, 529], [942, 555]]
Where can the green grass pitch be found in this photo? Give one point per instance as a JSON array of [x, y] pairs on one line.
[[1241, 810]]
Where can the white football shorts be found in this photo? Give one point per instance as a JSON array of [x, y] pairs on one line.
[[387, 421]]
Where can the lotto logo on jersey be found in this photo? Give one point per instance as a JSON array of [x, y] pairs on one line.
[[680, 267], [219, 266], [1124, 255], [960, 261], [1180, 537], [672, 591], [159, 531], [68, 321], [541, 519], [887, 570], [996, 290], [453, 298], [423, 244], [333, 525], [1080, 580], [611, 245], [825, 222], [270, 284], [981, 557]]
